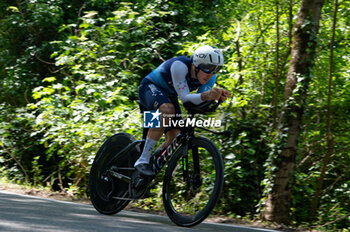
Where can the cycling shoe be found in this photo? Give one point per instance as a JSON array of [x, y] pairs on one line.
[[144, 169]]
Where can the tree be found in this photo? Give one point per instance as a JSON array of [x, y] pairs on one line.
[[278, 203]]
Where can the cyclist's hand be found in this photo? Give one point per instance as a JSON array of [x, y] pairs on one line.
[[225, 94], [213, 94]]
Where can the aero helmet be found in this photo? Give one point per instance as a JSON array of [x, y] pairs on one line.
[[208, 59]]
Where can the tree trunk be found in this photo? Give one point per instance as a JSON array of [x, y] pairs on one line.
[[278, 203]]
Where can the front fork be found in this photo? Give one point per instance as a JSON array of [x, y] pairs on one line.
[[191, 175]]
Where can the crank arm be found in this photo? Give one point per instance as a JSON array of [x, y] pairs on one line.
[[119, 176]]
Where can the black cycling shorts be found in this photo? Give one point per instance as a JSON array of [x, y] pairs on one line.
[[153, 97]]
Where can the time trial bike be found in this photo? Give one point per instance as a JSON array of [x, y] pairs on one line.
[[193, 179]]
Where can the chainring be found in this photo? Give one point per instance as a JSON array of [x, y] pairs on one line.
[[138, 185]]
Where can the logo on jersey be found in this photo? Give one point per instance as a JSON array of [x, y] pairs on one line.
[[181, 85], [151, 119]]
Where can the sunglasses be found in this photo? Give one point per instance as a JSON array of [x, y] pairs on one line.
[[209, 68]]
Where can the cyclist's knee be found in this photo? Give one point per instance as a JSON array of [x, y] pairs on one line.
[[167, 108], [168, 112]]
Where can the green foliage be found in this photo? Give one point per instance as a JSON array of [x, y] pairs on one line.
[[244, 154]]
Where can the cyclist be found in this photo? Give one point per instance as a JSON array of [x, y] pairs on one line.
[[178, 76]]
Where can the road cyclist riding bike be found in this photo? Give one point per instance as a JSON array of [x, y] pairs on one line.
[[124, 167], [178, 76]]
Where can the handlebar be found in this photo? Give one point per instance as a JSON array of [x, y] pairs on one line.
[[204, 107]]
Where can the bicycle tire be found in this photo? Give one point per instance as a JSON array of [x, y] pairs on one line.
[[176, 188], [99, 185]]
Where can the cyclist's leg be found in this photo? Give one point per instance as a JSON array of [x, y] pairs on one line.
[[171, 133], [169, 137], [153, 135], [167, 110], [153, 98]]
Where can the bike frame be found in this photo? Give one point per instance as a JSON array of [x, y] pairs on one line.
[[179, 144]]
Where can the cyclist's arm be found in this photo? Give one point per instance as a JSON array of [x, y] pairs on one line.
[[178, 74]]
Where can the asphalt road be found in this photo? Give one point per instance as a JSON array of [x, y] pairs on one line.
[[27, 213]]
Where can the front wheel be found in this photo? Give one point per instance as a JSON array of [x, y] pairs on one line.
[[193, 182]]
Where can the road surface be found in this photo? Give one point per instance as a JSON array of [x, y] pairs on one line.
[[27, 213]]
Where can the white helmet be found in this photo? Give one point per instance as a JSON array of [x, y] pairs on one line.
[[208, 59]]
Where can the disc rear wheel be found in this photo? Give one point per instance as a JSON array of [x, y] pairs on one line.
[[104, 187]]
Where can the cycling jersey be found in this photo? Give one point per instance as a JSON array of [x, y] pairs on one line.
[[173, 76]]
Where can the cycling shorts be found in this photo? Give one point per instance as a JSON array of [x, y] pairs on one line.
[[153, 97]]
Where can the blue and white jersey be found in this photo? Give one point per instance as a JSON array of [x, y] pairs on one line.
[[174, 77]]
